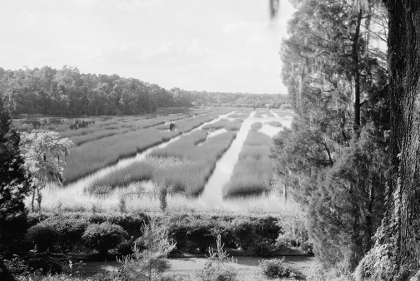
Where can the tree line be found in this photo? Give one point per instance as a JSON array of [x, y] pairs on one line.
[[67, 92]]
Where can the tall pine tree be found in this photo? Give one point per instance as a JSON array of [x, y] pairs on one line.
[[14, 182]]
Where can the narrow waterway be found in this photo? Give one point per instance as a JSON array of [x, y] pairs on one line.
[[213, 191], [74, 194], [142, 195]]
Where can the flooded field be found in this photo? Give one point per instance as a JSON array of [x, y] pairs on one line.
[[144, 194]]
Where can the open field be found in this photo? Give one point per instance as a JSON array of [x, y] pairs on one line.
[[254, 170]]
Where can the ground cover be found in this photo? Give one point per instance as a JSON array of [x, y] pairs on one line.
[[182, 166], [253, 172]]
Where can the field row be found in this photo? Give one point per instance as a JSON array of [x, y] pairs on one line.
[[254, 170], [183, 166], [94, 155]]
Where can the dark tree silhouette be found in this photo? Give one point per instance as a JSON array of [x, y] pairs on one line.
[[14, 185]]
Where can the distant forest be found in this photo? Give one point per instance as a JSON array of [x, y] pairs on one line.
[[67, 92]]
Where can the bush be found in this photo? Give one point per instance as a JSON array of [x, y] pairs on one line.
[[265, 247], [217, 266], [244, 232], [43, 236], [103, 237], [69, 229], [307, 248], [275, 268], [44, 264], [214, 271]]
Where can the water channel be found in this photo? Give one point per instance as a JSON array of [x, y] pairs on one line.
[[141, 195]]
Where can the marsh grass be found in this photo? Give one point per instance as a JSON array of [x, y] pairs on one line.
[[183, 166], [92, 156], [234, 125], [275, 124], [259, 112], [216, 125], [254, 170], [256, 126]]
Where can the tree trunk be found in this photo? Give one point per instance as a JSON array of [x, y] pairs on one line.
[[356, 73], [403, 204]]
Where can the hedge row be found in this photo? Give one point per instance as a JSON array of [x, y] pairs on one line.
[[191, 232]]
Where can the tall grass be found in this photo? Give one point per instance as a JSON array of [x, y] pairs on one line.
[[254, 170], [216, 125], [256, 126], [192, 176], [182, 166], [94, 155], [275, 124], [234, 125]]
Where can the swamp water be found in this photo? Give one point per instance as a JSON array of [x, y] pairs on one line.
[[142, 195]]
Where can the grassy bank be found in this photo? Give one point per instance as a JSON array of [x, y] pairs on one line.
[[253, 172], [183, 166], [94, 155]]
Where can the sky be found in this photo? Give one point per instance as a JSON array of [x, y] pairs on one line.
[[211, 45]]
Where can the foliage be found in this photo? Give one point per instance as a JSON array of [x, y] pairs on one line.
[[14, 183], [265, 247], [70, 230], [333, 159], [275, 268], [150, 263], [43, 236], [44, 153], [66, 91], [34, 263], [217, 267], [104, 236]]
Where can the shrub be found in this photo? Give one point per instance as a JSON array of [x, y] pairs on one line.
[[275, 268], [69, 229], [307, 248], [44, 264], [43, 236], [103, 237], [244, 232], [150, 263], [265, 247], [217, 267], [214, 271]]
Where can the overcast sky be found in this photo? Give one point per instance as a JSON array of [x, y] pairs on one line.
[[212, 45]]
